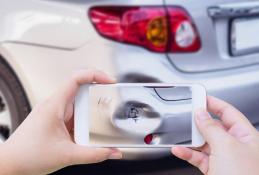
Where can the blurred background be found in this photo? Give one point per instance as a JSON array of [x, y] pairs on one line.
[[215, 43]]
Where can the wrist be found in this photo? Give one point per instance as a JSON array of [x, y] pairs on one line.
[[7, 160]]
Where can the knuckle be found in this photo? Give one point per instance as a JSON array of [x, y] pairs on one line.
[[220, 112]]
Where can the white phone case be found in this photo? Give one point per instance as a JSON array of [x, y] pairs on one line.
[[106, 132]]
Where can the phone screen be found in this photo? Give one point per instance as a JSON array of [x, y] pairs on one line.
[[137, 115]]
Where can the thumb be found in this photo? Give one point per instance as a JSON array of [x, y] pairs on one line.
[[86, 155], [210, 129]]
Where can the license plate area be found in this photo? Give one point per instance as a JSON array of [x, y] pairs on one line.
[[244, 36]]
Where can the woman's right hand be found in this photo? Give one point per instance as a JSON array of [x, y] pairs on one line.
[[232, 142]]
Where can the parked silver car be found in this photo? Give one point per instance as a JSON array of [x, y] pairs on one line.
[[210, 42]]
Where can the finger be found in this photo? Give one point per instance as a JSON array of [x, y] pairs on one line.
[[65, 96], [70, 126], [90, 75], [204, 148], [86, 155], [212, 132], [196, 158], [83, 77], [226, 112]]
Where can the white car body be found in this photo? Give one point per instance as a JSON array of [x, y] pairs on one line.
[[44, 42]]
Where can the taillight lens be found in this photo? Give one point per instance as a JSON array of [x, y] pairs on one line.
[[148, 139], [185, 37], [158, 29]]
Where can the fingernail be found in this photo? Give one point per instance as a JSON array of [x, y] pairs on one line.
[[115, 155], [201, 114]]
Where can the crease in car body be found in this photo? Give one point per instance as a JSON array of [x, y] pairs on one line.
[[134, 116]]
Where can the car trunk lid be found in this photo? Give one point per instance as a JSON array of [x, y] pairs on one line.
[[220, 25]]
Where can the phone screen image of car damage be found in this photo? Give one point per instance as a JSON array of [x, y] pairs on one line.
[[140, 115]]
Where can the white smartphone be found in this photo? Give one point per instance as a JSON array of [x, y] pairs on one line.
[[138, 115]]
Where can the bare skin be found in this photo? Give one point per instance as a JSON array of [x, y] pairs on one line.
[[232, 143], [43, 143]]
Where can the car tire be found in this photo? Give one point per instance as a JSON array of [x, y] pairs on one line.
[[12, 99]]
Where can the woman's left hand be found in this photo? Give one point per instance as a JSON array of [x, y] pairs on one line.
[[43, 143]]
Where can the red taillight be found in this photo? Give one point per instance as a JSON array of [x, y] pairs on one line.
[[148, 139], [184, 38], [158, 29]]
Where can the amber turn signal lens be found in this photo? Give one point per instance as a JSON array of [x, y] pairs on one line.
[[157, 32]]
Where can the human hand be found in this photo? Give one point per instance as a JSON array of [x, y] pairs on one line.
[[232, 142], [43, 143]]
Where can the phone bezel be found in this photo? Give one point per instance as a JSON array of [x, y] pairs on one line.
[[81, 121]]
